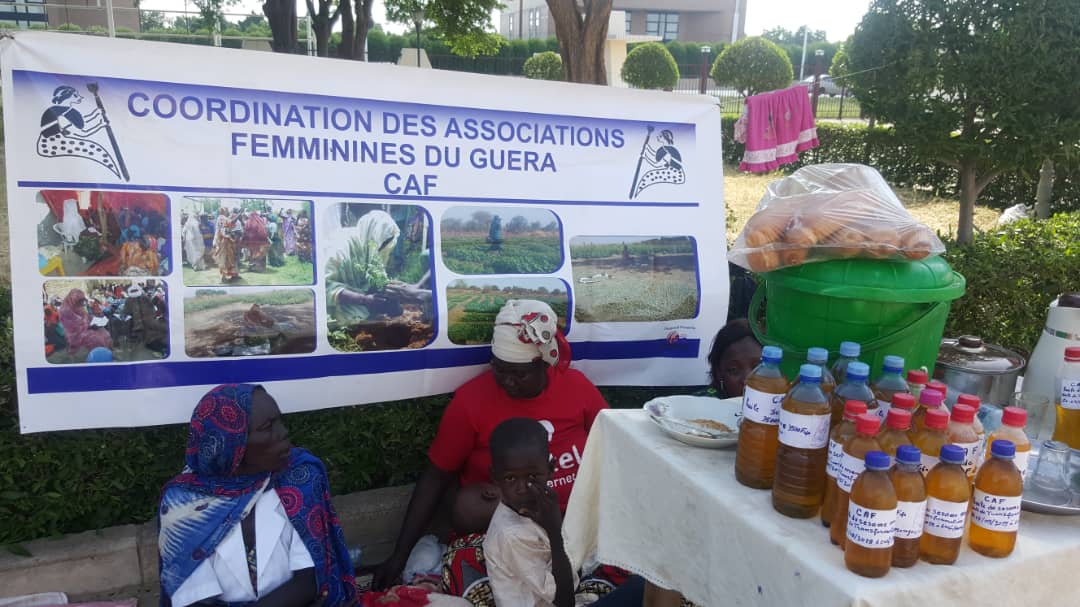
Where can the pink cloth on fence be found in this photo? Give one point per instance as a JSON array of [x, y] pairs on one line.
[[760, 156]]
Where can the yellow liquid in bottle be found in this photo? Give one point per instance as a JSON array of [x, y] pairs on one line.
[[855, 450], [911, 488], [890, 440], [1019, 439], [1067, 429], [799, 483], [755, 455], [995, 512], [947, 495], [872, 493], [837, 439]]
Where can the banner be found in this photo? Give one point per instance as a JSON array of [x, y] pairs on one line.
[[342, 232]]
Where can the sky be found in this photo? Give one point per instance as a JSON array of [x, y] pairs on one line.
[[837, 17]]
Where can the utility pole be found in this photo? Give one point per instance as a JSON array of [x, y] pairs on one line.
[[521, 19]]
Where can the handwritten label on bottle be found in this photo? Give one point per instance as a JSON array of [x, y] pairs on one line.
[[1069, 395], [995, 512], [836, 453], [850, 468], [971, 457], [870, 528], [945, 519], [910, 518], [1021, 461], [804, 431], [883, 409], [927, 463], [761, 407]]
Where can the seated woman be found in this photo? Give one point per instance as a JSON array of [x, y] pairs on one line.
[[735, 354], [529, 377], [249, 520]]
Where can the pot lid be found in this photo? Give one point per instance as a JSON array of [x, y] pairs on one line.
[[969, 353]]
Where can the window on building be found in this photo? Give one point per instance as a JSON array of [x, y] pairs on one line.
[[510, 31], [627, 16], [534, 23], [664, 25]]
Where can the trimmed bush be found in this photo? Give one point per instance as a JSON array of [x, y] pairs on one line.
[[650, 66], [751, 66], [544, 66]]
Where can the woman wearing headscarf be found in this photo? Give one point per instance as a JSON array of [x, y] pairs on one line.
[[194, 247], [288, 231], [145, 326], [225, 239], [734, 355], [249, 520], [75, 319], [530, 376], [256, 240], [356, 275]]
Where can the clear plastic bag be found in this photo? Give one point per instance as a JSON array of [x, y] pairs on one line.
[[830, 211]]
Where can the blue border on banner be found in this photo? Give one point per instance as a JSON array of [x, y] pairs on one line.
[[98, 378]]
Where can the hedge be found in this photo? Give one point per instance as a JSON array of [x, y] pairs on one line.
[[880, 148]]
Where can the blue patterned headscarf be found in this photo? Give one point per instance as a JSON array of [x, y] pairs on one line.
[[208, 499]]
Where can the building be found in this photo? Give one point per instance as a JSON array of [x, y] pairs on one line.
[[683, 20], [25, 14]]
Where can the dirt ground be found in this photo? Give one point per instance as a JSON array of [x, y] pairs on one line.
[[209, 331], [609, 290]]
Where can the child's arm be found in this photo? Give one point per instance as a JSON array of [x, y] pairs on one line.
[[549, 518]]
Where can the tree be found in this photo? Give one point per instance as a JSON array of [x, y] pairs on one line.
[[464, 24], [213, 12], [323, 20], [751, 66], [151, 20], [544, 66], [841, 63], [582, 31], [282, 17], [650, 66], [253, 22], [354, 29], [784, 37], [517, 225], [937, 72]]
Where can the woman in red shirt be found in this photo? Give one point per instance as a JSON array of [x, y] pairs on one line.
[[530, 376]]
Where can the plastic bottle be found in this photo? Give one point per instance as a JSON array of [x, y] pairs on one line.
[[1067, 393], [905, 402], [853, 388], [897, 424], [837, 438], [851, 465], [755, 455], [849, 353], [995, 505], [961, 433], [910, 489], [947, 495], [1013, 420], [932, 438], [940, 387], [890, 382], [820, 357], [973, 401], [799, 482], [871, 519], [916, 381], [929, 399]]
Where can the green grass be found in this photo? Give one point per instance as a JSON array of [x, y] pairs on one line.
[[201, 303], [519, 255], [294, 272]]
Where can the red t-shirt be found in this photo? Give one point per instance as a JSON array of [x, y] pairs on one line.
[[566, 408]]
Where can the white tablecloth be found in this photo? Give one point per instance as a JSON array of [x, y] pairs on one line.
[[676, 515]]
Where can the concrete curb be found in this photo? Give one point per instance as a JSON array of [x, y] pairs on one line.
[[125, 558]]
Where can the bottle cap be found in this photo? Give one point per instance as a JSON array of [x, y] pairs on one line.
[[810, 373], [940, 387], [952, 454], [938, 419], [853, 409], [877, 460], [850, 349], [894, 364], [898, 419], [771, 354], [908, 454], [931, 397], [818, 356], [1003, 448], [1014, 416], [903, 400], [1072, 354], [963, 414], [867, 423], [917, 376], [969, 399], [858, 370]]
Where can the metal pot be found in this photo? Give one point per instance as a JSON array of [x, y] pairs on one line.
[[968, 366]]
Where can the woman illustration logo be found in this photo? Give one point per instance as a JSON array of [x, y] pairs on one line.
[[665, 162], [67, 131]]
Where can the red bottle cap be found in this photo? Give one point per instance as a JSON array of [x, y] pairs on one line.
[[898, 419], [917, 376], [963, 414], [931, 397], [938, 419], [1072, 354], [853, 409], [940, 387], [1014, 416], [867, 423], [903, 400], [969, 399]]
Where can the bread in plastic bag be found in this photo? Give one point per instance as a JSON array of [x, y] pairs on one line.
[[830, 211]]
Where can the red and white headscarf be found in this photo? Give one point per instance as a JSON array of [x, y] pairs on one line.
[[527, 330]]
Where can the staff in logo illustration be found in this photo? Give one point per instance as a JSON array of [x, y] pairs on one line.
[[66, 131], [93, 88], [665, 160]]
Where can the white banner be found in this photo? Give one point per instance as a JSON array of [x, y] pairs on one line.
[[342, 232]]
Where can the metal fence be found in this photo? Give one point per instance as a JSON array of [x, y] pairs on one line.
[[829, 107]]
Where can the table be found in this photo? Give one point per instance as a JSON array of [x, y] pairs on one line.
[[676, 515]]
